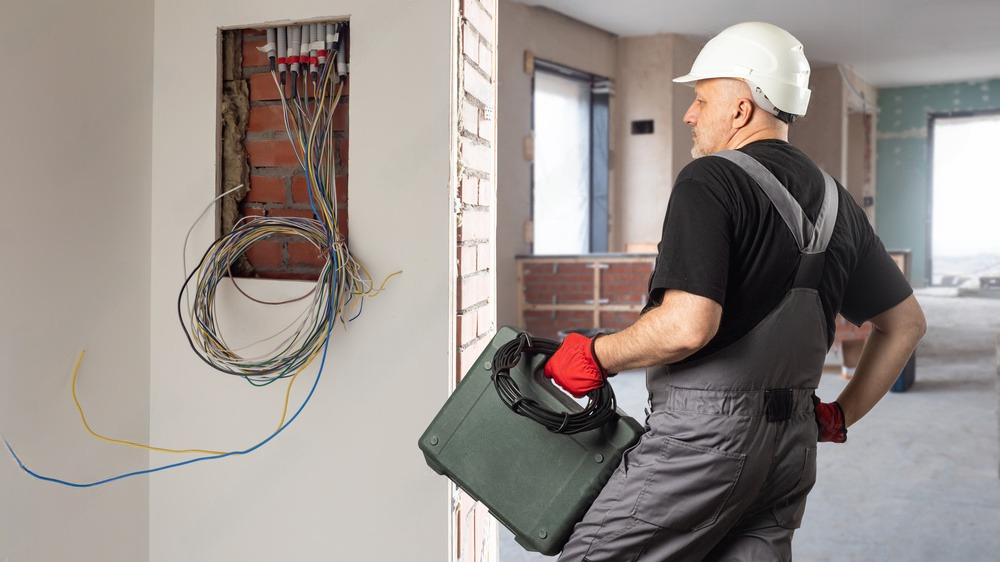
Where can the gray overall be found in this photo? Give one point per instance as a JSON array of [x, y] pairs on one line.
[[723, 471]]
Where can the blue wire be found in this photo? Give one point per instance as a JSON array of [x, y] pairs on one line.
[[326, 346]]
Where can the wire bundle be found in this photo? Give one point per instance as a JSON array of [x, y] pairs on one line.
[[601, 404], [343, 282]]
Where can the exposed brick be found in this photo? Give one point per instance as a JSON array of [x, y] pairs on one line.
[[473, 290], [546, 324], [470, 42], [342, 222], [485, 192], [251, 56], [252, 210], [617, 320], [490, 6], [486, 129], [476, 225], [468, 188], [305, 275], [469, 354], [339, 122], [476, 156], [486, 320], [467, 260], [262, 87], [470, 117], [271, 152], [265, 254], [267, 118], [474, 13], [486, 57], [305, 254], [300, 213], [266, 190], [268, 147], [467, 327], [484, 255], [344, 152], [476, 85], [300, 191]]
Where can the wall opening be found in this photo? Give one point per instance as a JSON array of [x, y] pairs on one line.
[[570, 167], [276, 84], [965, 196]]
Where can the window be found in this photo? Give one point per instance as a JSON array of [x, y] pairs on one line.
[[570, 168], [965, 195]]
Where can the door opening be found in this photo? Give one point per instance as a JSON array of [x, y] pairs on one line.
[[965, 198]]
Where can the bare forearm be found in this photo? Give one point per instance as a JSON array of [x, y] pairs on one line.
[[886, 352], [680, 326]]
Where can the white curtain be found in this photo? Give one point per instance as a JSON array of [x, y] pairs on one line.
[[561, 197]]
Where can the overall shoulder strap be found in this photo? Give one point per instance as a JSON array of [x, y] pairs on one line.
[[812, 239]]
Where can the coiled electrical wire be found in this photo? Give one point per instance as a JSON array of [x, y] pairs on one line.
[[601, 405], [342, 283], [340, 279]]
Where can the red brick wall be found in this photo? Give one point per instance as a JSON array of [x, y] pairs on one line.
[[277, 182], [475, 537], [847, 331], [558, 294]]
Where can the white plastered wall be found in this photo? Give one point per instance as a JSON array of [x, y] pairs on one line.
[[75, 112], [346, 481], [647, 165]]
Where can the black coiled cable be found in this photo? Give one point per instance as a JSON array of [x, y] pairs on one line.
[[601, 405]]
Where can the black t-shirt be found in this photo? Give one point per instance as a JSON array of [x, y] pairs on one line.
[[724, 240]]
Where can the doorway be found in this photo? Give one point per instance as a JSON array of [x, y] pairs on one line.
[[569, 199], [964, 236]]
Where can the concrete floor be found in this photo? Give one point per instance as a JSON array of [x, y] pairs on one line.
[[918, 478]]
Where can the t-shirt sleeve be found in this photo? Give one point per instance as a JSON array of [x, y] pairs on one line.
[[694, 248], [875, 285]]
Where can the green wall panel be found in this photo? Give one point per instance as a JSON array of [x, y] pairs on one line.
[[903, 167]]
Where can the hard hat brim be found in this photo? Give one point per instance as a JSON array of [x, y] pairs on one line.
[[687, 78]]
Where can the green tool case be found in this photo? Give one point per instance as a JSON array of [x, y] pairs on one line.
[[538, 483]]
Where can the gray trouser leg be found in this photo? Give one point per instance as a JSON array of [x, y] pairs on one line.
[[760, 545], [673, 500]]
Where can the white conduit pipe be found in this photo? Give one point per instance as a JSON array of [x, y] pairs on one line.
[[282, 53], [294, 35]]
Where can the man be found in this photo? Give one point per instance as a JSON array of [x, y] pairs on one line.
[[760, 251]]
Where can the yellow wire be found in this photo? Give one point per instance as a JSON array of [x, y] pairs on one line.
[[83, 417]]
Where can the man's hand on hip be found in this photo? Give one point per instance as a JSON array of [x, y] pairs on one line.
[[830, 421]]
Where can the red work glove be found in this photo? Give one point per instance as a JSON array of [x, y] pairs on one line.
[[574, 367], [830, 421]]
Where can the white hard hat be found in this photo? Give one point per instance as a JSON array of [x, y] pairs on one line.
[[767, 57]]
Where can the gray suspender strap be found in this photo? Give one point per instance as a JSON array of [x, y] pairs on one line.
[[812, 239]]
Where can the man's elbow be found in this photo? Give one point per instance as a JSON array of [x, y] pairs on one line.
[[905, 319], [694, 338]]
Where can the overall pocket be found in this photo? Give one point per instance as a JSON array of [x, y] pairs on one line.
[[789, 509], [685, 486]]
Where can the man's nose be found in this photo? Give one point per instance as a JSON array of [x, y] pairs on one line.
[[691, 116]]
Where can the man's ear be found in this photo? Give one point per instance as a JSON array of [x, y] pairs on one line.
[[743, 112]]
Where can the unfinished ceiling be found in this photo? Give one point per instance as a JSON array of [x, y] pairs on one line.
[[887, 42]]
